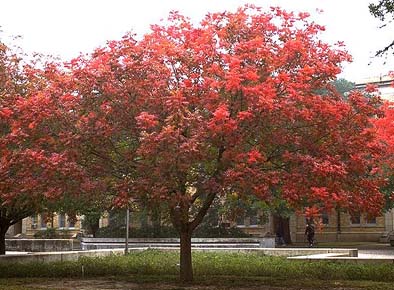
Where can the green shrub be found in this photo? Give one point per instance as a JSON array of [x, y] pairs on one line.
[[143, 232], [49, 233], [203, 231], [207, 231], [52, 233]]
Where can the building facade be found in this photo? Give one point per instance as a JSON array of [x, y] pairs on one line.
[[38, 225], [342, 227], [332, 227], [384, 84]]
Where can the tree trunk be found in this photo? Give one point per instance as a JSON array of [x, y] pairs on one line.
[[94, 227], [180, 220], [186, 269], [286, 230], [282, 228], [3, 230], [156, 221], [338, 225]]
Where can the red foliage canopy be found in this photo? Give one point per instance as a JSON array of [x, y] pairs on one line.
[[240, 104], [385, 129], [34, 167]]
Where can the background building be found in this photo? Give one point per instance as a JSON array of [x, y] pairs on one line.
[[40, 225], [384, 84]]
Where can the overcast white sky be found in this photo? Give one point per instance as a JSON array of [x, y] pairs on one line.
[[67, 27]]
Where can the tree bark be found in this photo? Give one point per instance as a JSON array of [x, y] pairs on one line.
[[3, 230], [286, 230], [282, 228], [338, 224], [186, 269], [180, 220], [156, 221], [94, 227]]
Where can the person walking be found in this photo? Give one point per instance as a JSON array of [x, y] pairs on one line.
[[310, 233]]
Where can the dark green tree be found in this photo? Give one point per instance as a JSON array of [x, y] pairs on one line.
[[384, 11], [343, 86]]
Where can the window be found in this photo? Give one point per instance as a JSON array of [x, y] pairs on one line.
[[34, 221], [44, 219], [355, 219], [370, 220], [240, 220], [83, 223], [254, 220], [325, 219], [62, 220], [264, 218], [71, 223]]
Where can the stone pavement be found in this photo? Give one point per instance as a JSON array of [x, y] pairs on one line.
[[369, 252], [374, 250], [377, 250]]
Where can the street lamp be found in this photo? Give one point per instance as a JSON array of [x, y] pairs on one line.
[[126, 250]]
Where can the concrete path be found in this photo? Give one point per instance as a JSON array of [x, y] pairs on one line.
[[15, 253], [380, 251], [366, 253]]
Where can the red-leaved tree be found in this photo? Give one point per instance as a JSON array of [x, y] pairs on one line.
[[238, 104], [384, 127], [34, 167]]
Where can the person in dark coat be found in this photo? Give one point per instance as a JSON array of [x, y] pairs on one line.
[[310, 233]]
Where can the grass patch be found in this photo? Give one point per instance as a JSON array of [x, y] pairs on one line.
[[160, 264]]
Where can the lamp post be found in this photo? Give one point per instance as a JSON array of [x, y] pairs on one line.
[[126, 250]]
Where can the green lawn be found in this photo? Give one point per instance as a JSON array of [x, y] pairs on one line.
[[151, 269]]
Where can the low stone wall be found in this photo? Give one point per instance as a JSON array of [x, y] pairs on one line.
[[112, 243], [329, 237], [57, 256], [279, 252], [39, 245]]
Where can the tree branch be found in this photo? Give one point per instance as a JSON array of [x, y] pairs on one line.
[[203, 211], [211, 196]]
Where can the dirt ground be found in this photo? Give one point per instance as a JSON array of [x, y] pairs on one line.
[[100, 284]]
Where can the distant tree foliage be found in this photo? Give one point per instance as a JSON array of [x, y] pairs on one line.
[[343, 86], [384, 11]]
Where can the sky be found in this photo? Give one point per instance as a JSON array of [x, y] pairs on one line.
[[66, 28]]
